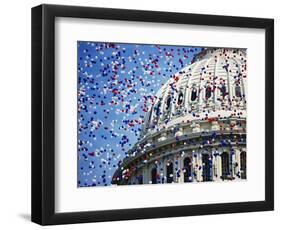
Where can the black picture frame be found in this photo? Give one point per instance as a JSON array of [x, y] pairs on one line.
[[43, 114]]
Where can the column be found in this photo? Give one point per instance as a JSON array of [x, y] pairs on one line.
[[161, 169], [237, 159], [200, 167], [218, 159], [180, 166], [194, 168], [236, 163], [145, 175], [216, 176], [174, 168], [158, 165], [165, 170]]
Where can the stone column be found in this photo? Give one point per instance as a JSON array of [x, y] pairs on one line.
[[175, 178], [233, 161], [218, 159], [133, 179], [237, 160], [162, 166], [145, 175], [200, 167], [158, 172], [165, 170], [194, 168], [230, 89], [130, 181], [174, 169], [180, 166], [216, 176]]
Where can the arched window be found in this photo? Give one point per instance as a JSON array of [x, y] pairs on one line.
[[187, 169], [208, 92], [168, 103], [154, 176], [140, 179], [193, 94], [157, 108], [149, 118], [223, 91], [238, 91], [243, 164], [180, 98], [207, 167], [157, 111], [169, 172], [225, 165]]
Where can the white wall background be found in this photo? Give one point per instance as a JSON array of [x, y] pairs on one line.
[[15, 113]]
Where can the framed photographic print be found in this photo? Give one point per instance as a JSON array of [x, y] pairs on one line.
[[142, 114]]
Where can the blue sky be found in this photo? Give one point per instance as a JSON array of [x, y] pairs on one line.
[[117, 83]]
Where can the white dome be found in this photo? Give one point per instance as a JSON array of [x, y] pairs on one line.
[[213, 86]]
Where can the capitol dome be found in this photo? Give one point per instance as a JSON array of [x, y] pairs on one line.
[[196, 128]]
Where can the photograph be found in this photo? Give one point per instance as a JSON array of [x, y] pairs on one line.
[[140, 114], [160, 114]]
